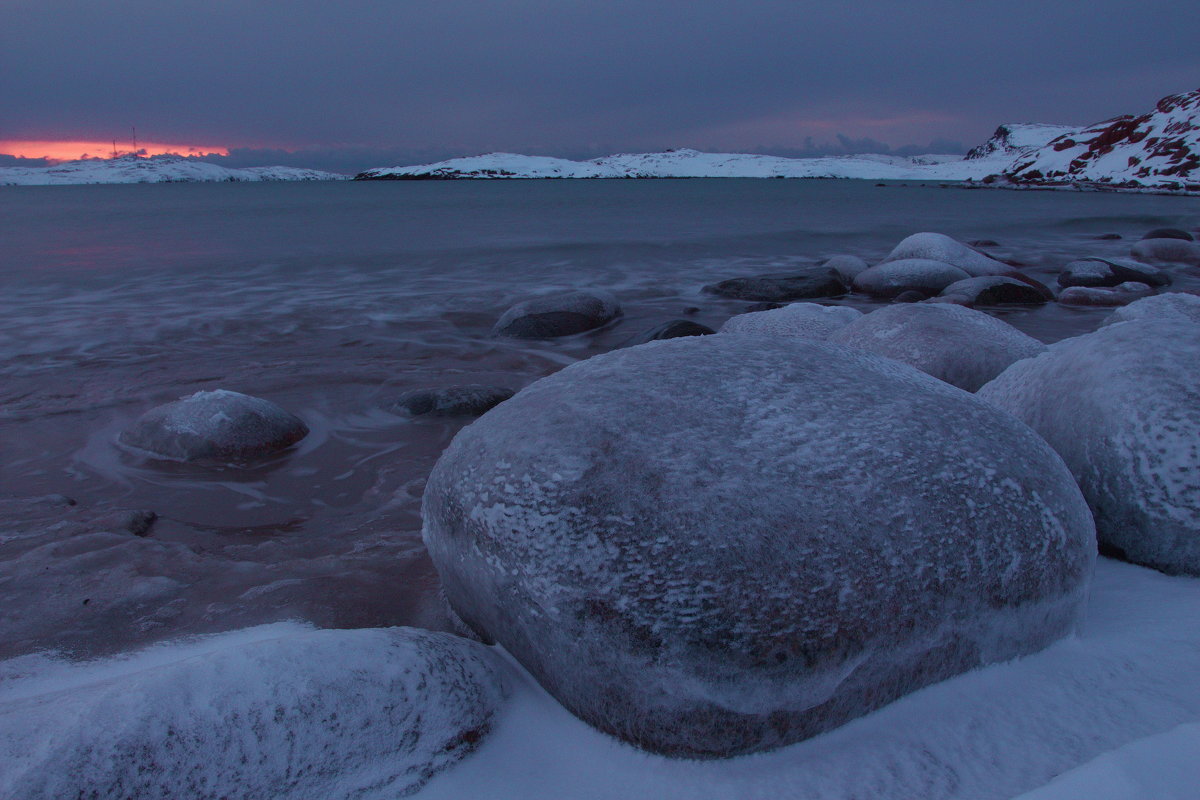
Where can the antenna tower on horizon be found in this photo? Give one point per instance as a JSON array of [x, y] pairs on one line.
[[135, 148]]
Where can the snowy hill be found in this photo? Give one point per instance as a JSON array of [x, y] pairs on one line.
[[695, 164], [1018, 138], [154, 169], [1158, 150]]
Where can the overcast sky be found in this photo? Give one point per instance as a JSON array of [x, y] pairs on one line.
[[353, 84]]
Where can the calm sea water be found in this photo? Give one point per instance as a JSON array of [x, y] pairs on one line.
[[333, 298]]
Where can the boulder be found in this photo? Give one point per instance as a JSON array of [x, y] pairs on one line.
[[1169, 233], [782, 287], [813, 533], [1094, 272], [846, 267], [1177, 305], [808, 320], [910, 296], [557, 315], [893, 278], [1119, 295], [995, 290], [958, 345], [219, 425], [1176, 251], [1122, 407], [939, 247], [301, 714], [673, 330], [454, 401]]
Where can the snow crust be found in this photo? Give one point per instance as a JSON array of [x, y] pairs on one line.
[[806, 320], [940, 247], [276, 711], [961, 346], [895, 277], [704, 545], [1177, 305], [1166, 250], [1014, 139], [1122, 407], [153, 169]]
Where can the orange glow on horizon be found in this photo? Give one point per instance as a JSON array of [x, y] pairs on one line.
[[58, 151]]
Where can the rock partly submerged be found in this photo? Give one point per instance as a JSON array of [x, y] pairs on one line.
[[806, 320], [1094, 272], [1170, 251], [801, 284], [469, 400], [894, 278], [217, 425], [939, 247], [705, 573], [996, 290], [1119, 295], [552, 316], [961, 346], [1122, 407], [674, 329]]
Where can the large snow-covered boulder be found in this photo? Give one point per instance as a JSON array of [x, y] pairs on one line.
[[1171, 251], [808, 320], [215, 425], [708, 572], [281, 712], [939, 247], [962, 346], [894, 278], [1122, 407], [1179, 305], [557, 315]]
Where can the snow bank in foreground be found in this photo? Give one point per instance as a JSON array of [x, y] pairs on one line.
[[992, 733], [154, 169]]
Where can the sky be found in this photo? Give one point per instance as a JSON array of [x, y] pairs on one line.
[[355, 84]]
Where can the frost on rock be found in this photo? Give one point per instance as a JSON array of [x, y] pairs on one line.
[[1119, 295], [1095, 272], [216, 425], [939, 247], [1122, 407], [1176, 251], [995, 290], [846, 267], [958, 345], [807, 320], [279, 711], [893, 278], [558, 315], [815, 533], [1176, 305]]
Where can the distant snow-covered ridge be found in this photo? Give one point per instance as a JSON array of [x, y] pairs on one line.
[[154, 169]]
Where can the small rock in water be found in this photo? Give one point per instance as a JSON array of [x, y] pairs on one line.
[[1122, 407], [846, 267], [216, 425], [984, 243], [558, 315], [960, 346], [673, 330], [454, 401], [1095, 272], [1177, 251], [1169, 233], [1119, 295], [807, 320], [781, 287], [910, 296], [939, 247], [893, 278], [1109, 236], [707, 573], [995, 291], [1175, 305]]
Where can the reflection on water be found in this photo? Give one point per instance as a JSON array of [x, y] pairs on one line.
[[331, 300]]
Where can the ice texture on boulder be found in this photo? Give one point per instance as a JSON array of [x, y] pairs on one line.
[[280, 711], [807, 320], [846, 267], [1178, 305], [939, 247], [708, 572], [893, 278], [1122, 407], [557, 315], [215, 425], [1119, 295], [1176, 251], [958, 345]]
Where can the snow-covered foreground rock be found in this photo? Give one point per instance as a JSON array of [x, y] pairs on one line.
[[153, 169], [277, 711], [806, 320], [703, 573], [990, 734]]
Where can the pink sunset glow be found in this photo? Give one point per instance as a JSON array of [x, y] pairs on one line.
[[70, 150]]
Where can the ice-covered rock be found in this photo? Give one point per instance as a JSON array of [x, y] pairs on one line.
[[1119, 295], [1122, 407], [280, 711], [961, 346], [1176, 305], [846, 267], [939, 247], [893, 278], [1169, 233], [994, 290], [798, 285], [455, 401], [1176, 251], [807, 320], [704, 573], [215, 425], [1102, 272], [557, 315], [674, 330]]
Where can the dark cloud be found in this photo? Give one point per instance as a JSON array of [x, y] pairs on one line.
[[358, 77]]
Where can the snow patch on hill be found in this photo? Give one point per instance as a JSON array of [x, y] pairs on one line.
[[1014, 139], [154, 169]]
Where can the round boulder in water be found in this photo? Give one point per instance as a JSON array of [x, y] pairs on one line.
[[939, 247], [1097, 272], [1176, 251], [706, 573], [215, 425], [846, 267], [1169, 233], [455, 401], [798, 285], [1119, 295], [558, 315], [1122, 407], [995, 290], [893, 278], [807, 320], [961, 346]]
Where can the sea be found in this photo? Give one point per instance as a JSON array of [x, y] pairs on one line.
[[333, 298]]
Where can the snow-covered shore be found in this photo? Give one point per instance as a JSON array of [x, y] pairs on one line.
[[153, 169]]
